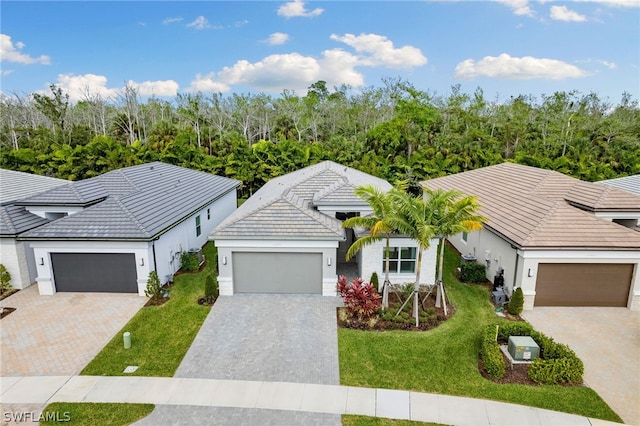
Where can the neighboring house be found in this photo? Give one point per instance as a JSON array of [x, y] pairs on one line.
[[107, 233], [288, 237], [564, 241], [16, 255]]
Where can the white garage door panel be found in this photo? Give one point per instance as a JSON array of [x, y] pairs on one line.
[[293, 273]]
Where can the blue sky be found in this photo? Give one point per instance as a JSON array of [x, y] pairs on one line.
[[505, 47]]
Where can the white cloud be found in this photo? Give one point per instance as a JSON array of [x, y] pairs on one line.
[[519, 7], [524, 68], [563, 13], [206, 83], [156, 88], [614, 3], [277, 38], [296, 72], [172, 20], [200, 23], [11, 53], [610, 65], [378, 50], [78, 86], [297, 8], [6, 72], [241, 23]]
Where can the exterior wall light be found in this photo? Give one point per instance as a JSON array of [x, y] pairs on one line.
[[142, 261], [41, 262], [224, 260], [328, 261], [530, 272]]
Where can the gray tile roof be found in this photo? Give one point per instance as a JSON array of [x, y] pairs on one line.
[[627, 183], [18, 185], [15, 219], [284, 207], [136, 203], [535, 208]]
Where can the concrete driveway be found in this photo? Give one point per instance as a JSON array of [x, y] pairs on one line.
[[60, 334], [608, 342]]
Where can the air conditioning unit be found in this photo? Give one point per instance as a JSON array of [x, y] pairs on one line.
[[523, 348]]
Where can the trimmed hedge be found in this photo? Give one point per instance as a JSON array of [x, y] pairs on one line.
[[558, 364], [516, 303], [472, 272], [491, 355]]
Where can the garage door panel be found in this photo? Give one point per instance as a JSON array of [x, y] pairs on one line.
[[289, 273], [95, 272], [583, 284]]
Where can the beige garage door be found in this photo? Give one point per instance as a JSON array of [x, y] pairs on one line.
[[294, 273], [582, 284]]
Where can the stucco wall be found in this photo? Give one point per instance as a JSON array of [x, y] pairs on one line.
[[227, 247], [169, 247], [371, 260], [13, 255]]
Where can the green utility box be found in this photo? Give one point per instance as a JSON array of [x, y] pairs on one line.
[[523, 348]]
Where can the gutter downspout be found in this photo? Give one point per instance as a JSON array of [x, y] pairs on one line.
[[515, 272]]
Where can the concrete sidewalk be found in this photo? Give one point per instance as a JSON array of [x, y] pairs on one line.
[[297, 397]]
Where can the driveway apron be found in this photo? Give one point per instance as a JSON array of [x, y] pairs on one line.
[[282, 338]]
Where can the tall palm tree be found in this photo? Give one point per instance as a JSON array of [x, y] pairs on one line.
[[415, 217], [378, 224], [452, 213]]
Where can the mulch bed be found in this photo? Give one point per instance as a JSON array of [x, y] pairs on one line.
[[161, 300], [8, 293], [518, 375], [380, 324], [6, 311]]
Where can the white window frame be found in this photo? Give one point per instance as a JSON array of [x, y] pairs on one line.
[[399, 260]]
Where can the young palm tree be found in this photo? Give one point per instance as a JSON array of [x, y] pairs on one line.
[[452, 214], [379, 227], [416, 218]]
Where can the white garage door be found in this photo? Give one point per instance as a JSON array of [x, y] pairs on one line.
[[294, 273]]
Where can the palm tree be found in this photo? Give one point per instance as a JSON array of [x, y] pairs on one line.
[[416, 218], [453, 213], [378, 224]]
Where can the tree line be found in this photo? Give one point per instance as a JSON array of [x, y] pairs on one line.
[[393, 131]]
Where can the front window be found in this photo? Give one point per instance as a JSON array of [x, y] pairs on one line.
[[465, 235], [198, 229], [402, 260]]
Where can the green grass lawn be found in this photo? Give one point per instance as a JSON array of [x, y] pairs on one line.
[[445, 360], [96, 414], [160, 335], [350, 420]]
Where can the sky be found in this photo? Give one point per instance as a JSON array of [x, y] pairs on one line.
[[162, 48]]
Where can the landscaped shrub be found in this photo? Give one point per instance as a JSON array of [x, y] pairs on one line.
[[5, 279], [514, 328], [491, 355], [154, 289], [190, 262], [374, 280], [558, 364], [516, 303], [472, 272], [361, 299], [211, 287]]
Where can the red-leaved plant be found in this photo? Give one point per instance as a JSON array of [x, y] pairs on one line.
[[361, 299]]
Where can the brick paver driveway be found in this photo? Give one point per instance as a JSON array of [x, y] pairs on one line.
[[281, 338], [261, 337], [60, 334], [608, 342]]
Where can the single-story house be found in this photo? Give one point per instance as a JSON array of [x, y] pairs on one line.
[[564, 241], [288, 237], [16, 255], [626, 183], [107, 233]]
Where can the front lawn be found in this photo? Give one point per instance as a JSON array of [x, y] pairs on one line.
[[96, 414], [160, 335], [445, 360], [351, 420]]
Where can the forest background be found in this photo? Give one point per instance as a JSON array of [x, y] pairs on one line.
[[393, 131]]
